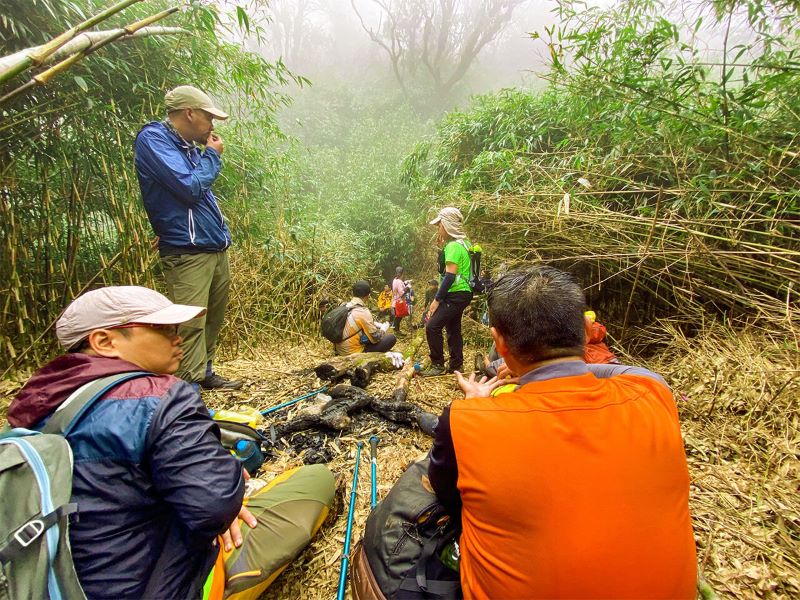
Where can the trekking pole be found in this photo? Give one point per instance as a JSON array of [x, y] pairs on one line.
[[294, 401], [373, 480], [349, 531]]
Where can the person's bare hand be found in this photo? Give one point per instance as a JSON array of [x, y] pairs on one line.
[[432, 308], [503, 372], [215, 142], [481, 388], [233, 536]]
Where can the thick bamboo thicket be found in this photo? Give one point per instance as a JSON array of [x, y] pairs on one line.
[[741, 260], [70, 207]]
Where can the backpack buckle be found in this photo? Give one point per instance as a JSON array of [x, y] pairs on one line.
[[29, 532]]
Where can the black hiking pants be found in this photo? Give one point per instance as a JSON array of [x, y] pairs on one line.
[[384, 344], [448, 317]]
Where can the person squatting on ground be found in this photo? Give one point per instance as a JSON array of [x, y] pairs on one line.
[[595, 450], [175, 178], [398, 294], [453, 295], [360, 333], [596, 350], [153, 485], [385, 302]]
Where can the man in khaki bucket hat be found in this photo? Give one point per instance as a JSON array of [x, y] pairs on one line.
[[175, 177]]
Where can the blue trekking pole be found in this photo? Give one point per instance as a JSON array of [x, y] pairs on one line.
[[373, 480], [294, 401], [349, 531]]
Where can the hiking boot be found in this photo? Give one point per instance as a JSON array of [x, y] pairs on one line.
[[479, 364], [433, 371], [427, 421], [216, 382]]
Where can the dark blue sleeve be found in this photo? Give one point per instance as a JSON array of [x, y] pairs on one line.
[[159, 159], [447, 281], [189, 467], [443, 469]]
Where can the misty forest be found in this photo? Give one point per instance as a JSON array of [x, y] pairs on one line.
[[651, 148]]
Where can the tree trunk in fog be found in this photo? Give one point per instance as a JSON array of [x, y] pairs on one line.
[[443, 36]]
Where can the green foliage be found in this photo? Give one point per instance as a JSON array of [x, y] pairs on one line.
[[345, 176], [633, 108], [69, 199]]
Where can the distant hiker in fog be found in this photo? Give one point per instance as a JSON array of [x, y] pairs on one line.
[[360, 333], [175, 177], [385, 302], [410, 298], [454, 293], [399, 304]]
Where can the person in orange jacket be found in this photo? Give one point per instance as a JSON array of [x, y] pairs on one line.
[[575, 484]]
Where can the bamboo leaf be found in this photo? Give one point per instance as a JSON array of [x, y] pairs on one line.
[[81, 83]]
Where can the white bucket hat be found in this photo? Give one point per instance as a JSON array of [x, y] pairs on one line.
[[119, 305], [453, 222]]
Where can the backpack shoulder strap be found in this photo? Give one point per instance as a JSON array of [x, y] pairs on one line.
[[350, 308], [70, 412]]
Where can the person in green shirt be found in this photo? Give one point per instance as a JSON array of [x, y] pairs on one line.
[[452, 297]]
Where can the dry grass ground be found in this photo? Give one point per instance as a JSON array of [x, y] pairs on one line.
[[738, 397]]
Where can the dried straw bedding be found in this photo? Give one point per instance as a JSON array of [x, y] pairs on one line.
[[738, 398]]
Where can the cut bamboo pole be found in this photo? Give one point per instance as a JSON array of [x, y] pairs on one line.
[[44, 77]]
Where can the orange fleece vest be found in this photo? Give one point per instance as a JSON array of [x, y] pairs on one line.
[[574, 487]]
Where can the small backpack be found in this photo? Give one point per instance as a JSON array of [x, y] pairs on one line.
[[399, 555], [333, 323], [36, 486], [477, 283]]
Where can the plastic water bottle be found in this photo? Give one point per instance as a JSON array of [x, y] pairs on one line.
[[451, 555], [249, 452]]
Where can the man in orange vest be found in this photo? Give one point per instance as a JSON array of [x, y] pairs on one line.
[[574, 485]]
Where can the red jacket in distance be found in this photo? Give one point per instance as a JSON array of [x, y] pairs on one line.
[[573, 486], [595, 351]]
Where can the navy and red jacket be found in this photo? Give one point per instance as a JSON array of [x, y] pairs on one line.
[[153, 484]]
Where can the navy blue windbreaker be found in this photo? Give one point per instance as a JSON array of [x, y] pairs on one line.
[[175, 179]]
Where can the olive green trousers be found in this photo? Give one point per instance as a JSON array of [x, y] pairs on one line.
[[198, 280]]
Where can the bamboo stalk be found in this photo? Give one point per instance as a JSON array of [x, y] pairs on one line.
[[14, 64], [44, 77]]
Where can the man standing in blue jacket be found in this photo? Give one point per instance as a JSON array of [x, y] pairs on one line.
[[175, 177]]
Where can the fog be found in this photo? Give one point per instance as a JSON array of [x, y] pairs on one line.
[[430, 56], [383, 43]]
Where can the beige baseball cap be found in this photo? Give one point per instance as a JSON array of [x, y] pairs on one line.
[[119, 305], [187, 96]]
